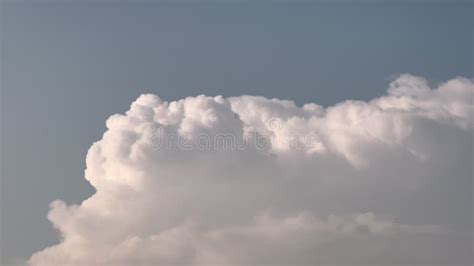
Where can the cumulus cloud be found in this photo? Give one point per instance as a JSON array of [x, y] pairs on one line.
[[249, 180]]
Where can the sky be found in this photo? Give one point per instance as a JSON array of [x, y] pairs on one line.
[[66, 67]]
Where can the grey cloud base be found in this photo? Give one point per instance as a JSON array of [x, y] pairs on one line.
[[382, 182]]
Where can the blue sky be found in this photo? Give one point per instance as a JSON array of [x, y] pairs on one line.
[[67, 67]]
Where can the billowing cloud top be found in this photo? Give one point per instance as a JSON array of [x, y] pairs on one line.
[[250, 181]]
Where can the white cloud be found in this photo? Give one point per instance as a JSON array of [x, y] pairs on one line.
[[248, 180]]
